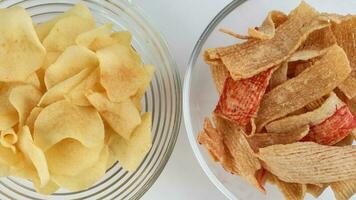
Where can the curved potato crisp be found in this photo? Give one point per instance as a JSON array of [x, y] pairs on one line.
[[8, 139], [79, 10], [333, 163], [34, 154], [87, 38], [136, 99], [219, 74], [327, 109], [69, 157], [68, 64], [121, 70], [316, 190], [24, 98], [318, 80], [65, 31], [121, 37], [279, 76], [87, 177], [260, 56], [30, 121], [344, 190], [291, 191], [130, 153], [80, 123], [237, 104], [21, 51], [122, 117], [268, 28], [8, 114]]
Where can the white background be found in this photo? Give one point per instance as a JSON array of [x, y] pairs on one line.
[[181, 22]]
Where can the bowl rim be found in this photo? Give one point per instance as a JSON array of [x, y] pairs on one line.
[[186, 94]]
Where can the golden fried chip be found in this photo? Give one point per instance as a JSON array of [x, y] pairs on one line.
[[313, 83], [59, 91], [87, 38], [257, 57], [30, 121], [121, 37], [121, 70], [345, 35], [327, 109], [21, 51], [34, 154], [260, 140], [348, 140], [34, 80], [344, 190], [62, 120], [79, 10], [24, 98], [219, 74], [71, 62], [130, 153], [316, 190], [136, 99], [122, 117], [65, 31], [69, 157], [87, 177], [77, 94], [8, 114], [279, 76], [291, 191], [8, 139], [268, 28], [245, 162], [319, 40], [313, 164]]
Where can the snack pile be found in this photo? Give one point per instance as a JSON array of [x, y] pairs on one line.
[[287, 107], [70, 100]]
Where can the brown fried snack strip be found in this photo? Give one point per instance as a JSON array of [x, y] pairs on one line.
[[310, 163], [344, 190], [291, 191], [313, 83]]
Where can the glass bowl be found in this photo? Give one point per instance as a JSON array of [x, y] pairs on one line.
[[163, 99], [200, 96]]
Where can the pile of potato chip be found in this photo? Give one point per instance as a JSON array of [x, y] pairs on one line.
[[287, 107], [70, 100]]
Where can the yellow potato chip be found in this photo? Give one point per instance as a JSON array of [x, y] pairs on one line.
[[327, 109], [79, 10], [87, 177], [313, 164], [260, 140], [122, 117], [316, 190], [291, 191], [77, 94], [34, 80], [268, 28], [30, 121], [258, 57], [136, 99], [10, 162], [65, 31], [59, 91], [62, 120], [130, 153], [34, 154], [87, 38], [318, 80], [69, 157], [8, 139], [68, 64], [24, 98], [219, 74], [21, 51], [8, 114], [121, 37], [344, 190], [121, 70]]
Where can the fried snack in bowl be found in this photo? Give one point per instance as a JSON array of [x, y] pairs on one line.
[[285, 104]]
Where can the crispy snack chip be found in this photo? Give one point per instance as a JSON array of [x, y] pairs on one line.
[[279, 76], [80, 123], [130, 153], [136, 99], [122, 117], [344, 190], [333, 163], [219, 74], [236, 102], [345, 35], [8, 139], [268, 28], [314, 117], [316, 190], [313, 83], [30, 121], [120, 37], [8, 114], [87, 38], [21, 51], [257, 57], [291, 191]]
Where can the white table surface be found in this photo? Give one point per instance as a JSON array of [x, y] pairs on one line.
[[181, 22]]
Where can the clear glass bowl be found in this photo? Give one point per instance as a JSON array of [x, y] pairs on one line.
[[200, 96], [163, 99]]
